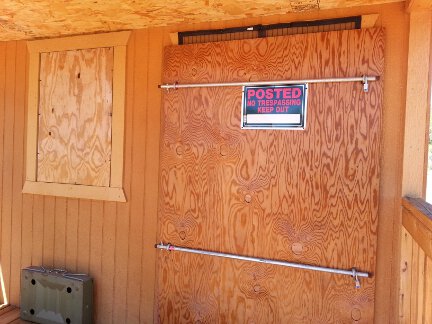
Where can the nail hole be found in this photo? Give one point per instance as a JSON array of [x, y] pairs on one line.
[[68, 320], [223, 150], [179, 150], [182, 235], [33, 282], [79, 75], [297, 248], [69, 290], [32, 311], [49, 133], [356, 314]]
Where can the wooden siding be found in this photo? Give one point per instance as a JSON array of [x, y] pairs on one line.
[[104, 239], [114, 241], [415, 303]]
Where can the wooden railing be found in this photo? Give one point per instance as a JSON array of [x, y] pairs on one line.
[[416, 262]]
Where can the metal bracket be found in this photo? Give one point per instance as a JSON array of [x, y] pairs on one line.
[[356, 278], [365, 83]]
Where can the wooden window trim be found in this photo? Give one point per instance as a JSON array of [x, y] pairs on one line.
[[115, 191]]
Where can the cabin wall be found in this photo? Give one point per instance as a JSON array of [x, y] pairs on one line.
[[416, 262], [113, 242]]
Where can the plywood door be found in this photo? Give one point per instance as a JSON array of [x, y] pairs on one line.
[[303, 196]]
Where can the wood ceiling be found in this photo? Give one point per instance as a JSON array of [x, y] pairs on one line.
[[28, 19]]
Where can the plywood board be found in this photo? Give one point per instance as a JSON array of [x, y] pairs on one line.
[[75, 117], [304, 196], [46, 18]]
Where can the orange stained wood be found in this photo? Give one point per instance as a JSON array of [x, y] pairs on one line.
[[10, 315], [304, 196], [97, 238], [78, 234], [75, 117], [415, 299]]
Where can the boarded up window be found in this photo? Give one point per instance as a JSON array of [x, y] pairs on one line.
[[75, 126], [75, 112]]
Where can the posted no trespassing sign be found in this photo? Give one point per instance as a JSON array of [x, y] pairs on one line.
[[274, 107]]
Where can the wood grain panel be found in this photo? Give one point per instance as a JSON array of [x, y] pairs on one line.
[[137, 187], [421, 286], [49, 230], [96, 247], [8, 165], [148, 274], [310, 197], [3, 76], [427, 315], [20, 70], [75, 115], [107, 262], [84, 229], [60, 232], [405, 278], [71, 253], [415, 278], [416, 283], [121, 254]]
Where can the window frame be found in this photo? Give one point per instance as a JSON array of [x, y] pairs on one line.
[[114, 192]]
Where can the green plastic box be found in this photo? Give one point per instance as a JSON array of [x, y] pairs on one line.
[[55, 296]]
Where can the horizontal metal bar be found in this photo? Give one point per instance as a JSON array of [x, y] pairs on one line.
[[353, 272], [363, 79]]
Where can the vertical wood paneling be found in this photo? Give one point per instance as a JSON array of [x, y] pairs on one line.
[[416, 273], [137, 185], [405, 277], [71, 234], [427, 315], [60, 222], [121, 253], [84, 227], [107, 267], [49, 230], [155, 55], [27, 208], [3, 299], [415, 288], [37, 230], [421, 286], [96, 239], [27, 231], [18, 166], [8, 149]]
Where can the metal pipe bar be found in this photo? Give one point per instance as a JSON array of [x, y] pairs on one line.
[[363, 79], [353, 272]]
